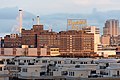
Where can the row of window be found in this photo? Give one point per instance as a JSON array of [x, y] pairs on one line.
[[54, 49], [71, 73], [73, 62]]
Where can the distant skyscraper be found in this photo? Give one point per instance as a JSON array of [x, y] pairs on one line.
[[111, 27]]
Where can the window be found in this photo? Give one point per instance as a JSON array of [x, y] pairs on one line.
[[51, 73], [0, 68], [118, 73], [55, 62], [28, 61], [71, 74], [93, 72], [59, 62], [24, 70], [1, 62], [77, 66], [81, 63], [44, 61], [24, 61], [64, 73], [81, 74]]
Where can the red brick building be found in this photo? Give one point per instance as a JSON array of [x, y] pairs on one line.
[[29, 37], [70, 42], [76, 42], [12, 41]]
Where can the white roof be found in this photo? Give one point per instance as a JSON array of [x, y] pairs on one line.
[[26, 58], [31, 66], [53, 58], [80, 69], [107, 60], [113, 68], [6, 57], [80, 59]]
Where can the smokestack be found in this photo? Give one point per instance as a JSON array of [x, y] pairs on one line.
[[20, 20], [38, 20]]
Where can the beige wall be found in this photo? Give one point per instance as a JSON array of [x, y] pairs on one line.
[[32, 51], [95, 30], [43, 51], [105, 40], [8, 51], [106, 53], [96, 42], [20, 51]]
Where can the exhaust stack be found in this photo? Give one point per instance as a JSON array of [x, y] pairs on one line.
[[20, 20], [38, 20]]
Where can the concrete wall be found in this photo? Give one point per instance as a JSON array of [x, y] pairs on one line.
[[32, 51], [105, 40], [20, 51], [31, 71], [80, 73], [43, 51], [96, 42], [106, 53], [8, 51]]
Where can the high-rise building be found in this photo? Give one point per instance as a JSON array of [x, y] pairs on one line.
[[76, 43], [110, 32], [111, 27], [96, 32]]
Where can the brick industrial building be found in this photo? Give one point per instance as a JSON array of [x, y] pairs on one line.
[[76, 43], [12, 41], [37, 41], [69, 42]]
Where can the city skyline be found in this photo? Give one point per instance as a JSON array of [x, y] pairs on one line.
[[59, 39]]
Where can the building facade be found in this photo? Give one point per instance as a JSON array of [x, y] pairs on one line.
[[71, 42], [105, 40], [29, 37], [12, 41], [76, 43], [111, 27], [48, 39], [96, 32]]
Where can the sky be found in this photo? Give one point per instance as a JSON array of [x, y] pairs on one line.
[[44, 7]]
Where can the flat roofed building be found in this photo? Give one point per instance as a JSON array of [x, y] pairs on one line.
[[76, 42], [96, 32], [48, 39], [12, 41], [28, 38]]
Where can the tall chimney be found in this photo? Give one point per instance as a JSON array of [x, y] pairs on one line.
[[20, 20], [38, 20]]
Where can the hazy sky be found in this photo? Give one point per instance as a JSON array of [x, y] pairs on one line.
[[61, 6]]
